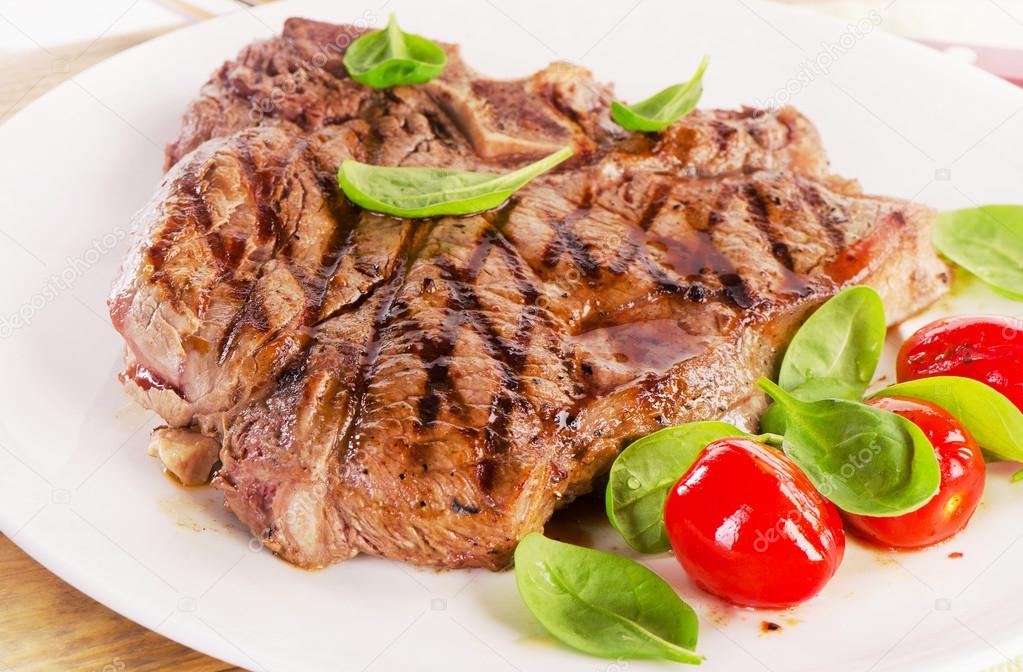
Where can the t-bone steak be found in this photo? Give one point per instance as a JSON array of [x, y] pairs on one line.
[[432, 390]]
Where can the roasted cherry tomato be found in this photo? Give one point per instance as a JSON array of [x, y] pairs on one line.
[[962, 481], [748, 526], [983, 347]]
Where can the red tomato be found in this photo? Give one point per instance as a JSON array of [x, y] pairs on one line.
[[985, 348], [962, 481], [748, 526]]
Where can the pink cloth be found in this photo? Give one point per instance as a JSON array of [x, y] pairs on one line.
[[1005, 63]]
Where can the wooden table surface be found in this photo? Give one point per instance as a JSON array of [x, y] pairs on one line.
[[45, 624]]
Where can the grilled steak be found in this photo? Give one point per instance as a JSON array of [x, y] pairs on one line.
[[432, 390]]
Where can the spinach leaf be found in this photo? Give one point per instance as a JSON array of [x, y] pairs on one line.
[[604, 604], [842, 340], [813, 389], [427, 192], [834, 353], [389, 57], [643, 473], [865, 460], [986, 241], [986, 413], [663, 108]]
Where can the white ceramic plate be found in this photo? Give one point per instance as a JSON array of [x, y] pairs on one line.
[[78, 492]]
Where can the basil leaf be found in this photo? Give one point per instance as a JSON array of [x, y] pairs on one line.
[[986, 241], [389, 57], [604, 604], [865, 460], [427, 192], [663, 108], [644, 472], [986, 413], [842, 340]]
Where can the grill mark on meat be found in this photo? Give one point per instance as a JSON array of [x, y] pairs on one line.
[[654, 205], [736, 291], [495, 439], [636, 244], [695, 256], [565, 239], [345, 218], [385, 312], [195, 208], [733, 287], [260, 185], [465, 308], [824, 213], [291, 383], [757, 133], [435, 354], [664, 283], [756, 206], [624, 257], [157, 252], [347, 308], [514, 356], [510, 255], [227, 251], [484, 474], [252, 314], [197, 203]]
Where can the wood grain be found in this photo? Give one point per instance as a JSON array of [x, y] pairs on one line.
[[26, 76], [45, 625]]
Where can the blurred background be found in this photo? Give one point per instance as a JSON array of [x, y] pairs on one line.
[[37, 52]]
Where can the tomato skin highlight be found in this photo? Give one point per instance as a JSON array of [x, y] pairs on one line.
[[988, 348], [962, 482], [748, 526]]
